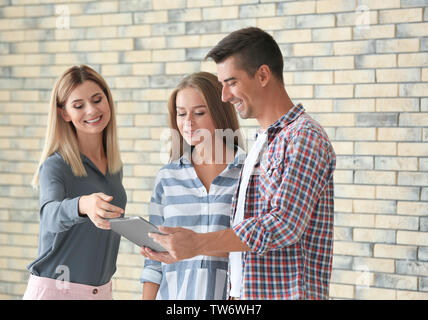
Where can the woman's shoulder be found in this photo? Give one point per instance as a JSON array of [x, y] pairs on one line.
[[175, 169], [173, 165], [55, 158], [54, 162]]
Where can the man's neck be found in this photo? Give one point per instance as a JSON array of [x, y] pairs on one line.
[[276, 104]]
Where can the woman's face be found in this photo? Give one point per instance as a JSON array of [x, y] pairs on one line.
[[88, 109], [193, 117]]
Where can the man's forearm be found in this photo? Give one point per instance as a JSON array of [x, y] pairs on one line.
[[181, 243], [212, 243]]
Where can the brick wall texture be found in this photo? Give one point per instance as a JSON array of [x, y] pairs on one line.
[[360, 67]]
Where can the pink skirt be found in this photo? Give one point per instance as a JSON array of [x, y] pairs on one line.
[[40, 288]]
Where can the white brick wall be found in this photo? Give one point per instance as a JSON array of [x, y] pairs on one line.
[[359, 67]]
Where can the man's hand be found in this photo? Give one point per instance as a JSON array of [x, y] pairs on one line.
[[180, 243], [164, 257], [183, 244]]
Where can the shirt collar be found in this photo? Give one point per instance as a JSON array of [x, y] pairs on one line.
[[289, 117], [239, 157], [185, 158], [285, 120], [89, 162]]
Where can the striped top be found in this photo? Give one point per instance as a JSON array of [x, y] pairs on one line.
[[181, 200]]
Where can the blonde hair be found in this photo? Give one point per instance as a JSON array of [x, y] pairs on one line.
[[222, 113], [61, 135]]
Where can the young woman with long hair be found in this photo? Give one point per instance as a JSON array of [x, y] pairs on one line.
[[194, 190], [80, 181]]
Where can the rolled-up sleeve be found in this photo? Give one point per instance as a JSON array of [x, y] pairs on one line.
[[152, 271], [57, 213], [306, 170]]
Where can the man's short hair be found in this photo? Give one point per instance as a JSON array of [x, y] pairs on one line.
[[252, 48]]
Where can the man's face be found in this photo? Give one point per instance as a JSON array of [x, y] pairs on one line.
[[238, 88]]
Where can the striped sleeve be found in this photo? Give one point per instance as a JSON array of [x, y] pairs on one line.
[[152, 271]]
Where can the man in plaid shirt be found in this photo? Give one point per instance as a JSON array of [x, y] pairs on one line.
[[281, 242]]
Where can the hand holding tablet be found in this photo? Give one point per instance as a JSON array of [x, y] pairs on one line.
[[136, 230]]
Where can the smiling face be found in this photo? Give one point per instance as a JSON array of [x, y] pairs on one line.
[[238, 88], [88, 109], [193, 116]]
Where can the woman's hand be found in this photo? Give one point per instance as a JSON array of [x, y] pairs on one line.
[[97, 207]]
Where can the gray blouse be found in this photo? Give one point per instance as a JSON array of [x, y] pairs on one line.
[[71, 247]]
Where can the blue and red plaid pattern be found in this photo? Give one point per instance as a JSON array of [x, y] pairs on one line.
[[289, 212]]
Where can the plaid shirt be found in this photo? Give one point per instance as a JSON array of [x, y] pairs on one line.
[[288, 215]]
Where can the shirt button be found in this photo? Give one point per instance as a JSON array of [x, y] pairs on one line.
[[95, 291]]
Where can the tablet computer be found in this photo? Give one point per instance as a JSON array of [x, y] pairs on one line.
[[136, 230]]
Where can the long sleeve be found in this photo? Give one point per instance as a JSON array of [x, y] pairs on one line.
[[152, 271], [293, 189], [57, 213]]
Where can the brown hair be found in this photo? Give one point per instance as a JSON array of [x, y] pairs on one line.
[[222, 113], [252, 48], [61, 135]]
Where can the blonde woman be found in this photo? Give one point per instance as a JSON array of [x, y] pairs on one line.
[[195, 189], [80, 182]]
